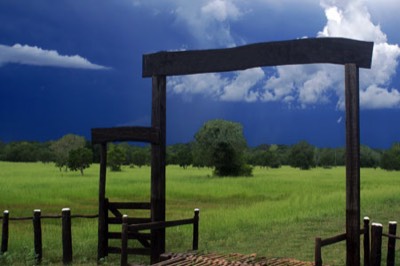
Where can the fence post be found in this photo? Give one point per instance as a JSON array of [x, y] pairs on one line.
[[66, 236], [196, 229], [391, 244], [366, 242], [376, 244], [317, 252], [4, 234], [37, 234], [124, 241]]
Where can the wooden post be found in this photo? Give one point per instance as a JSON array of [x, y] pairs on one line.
[[352, 165], [158, 153], [317, 252], [124, 241], [391, 244], [376, 244], [66, 236], [4, 234], [102, 226], [366, 242], [196, 229], [37, 235]]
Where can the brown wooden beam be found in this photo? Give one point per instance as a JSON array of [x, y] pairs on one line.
[[103, 209], [158, 163], [352, 165], [301, 51], [141, 134]]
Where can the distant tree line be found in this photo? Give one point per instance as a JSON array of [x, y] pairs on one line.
[[218, 144]]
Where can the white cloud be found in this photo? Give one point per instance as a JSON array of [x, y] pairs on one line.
[[310, 85], [209, 21], [239, 88], [375, 97], [300, 85], [33, 55], [210, 85]]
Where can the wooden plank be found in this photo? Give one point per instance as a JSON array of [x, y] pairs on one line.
[[352, 165], [5, 231], [366, 241], [158, 163], [37, 236], [131, 235], [390, 259], [158, 225], [376, 244], [66, 236], [134, 251], [102, 224], [130, 205], [333, 240], [141, 134], [118, 220], [301, 51]]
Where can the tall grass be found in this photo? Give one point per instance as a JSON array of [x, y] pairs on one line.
[[275, 213]]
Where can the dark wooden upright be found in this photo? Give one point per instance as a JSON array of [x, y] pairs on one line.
[[352, 164], [158, 154], [102, 227], [353, 54]]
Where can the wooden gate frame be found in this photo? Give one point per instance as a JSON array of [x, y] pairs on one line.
[[352, 54]]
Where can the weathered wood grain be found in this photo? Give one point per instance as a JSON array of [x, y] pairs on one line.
[[141, 134], [352, 164], [301, 51]]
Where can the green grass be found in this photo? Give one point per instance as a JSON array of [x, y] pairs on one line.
[[275, 213]]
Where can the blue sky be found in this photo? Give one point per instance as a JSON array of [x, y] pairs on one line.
[[69, 66]]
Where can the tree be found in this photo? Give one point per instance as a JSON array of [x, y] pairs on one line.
[[325, 157], [63, 146], [391, 158], [302, 155], [79, 159], [180, 154], [369, 157], [221, 144], [115, 157], [140, 156]]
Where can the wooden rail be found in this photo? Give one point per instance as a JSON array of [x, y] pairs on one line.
[[135, 228], [37, 231], [319, 243], [372, 249]]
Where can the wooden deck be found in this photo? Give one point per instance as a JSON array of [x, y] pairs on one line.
[[186, 259]]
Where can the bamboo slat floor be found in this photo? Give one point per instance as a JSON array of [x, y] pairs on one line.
[[235, 259]]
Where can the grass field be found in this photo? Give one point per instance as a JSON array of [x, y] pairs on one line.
[[275, 213]]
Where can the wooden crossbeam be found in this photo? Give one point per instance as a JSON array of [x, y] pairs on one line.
[[301, 51], [141, 134]]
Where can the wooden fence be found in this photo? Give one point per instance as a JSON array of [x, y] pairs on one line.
[[129, 231], [372, 244], [37, 231]]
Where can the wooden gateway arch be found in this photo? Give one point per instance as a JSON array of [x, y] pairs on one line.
[[352, 54]]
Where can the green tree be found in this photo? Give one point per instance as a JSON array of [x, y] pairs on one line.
[[302, 155], [391, 158], [221, 144], [325, 157], [180, 154], [115, 157], [63, 146], [80, 159], [369, 157], [140, 156]]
